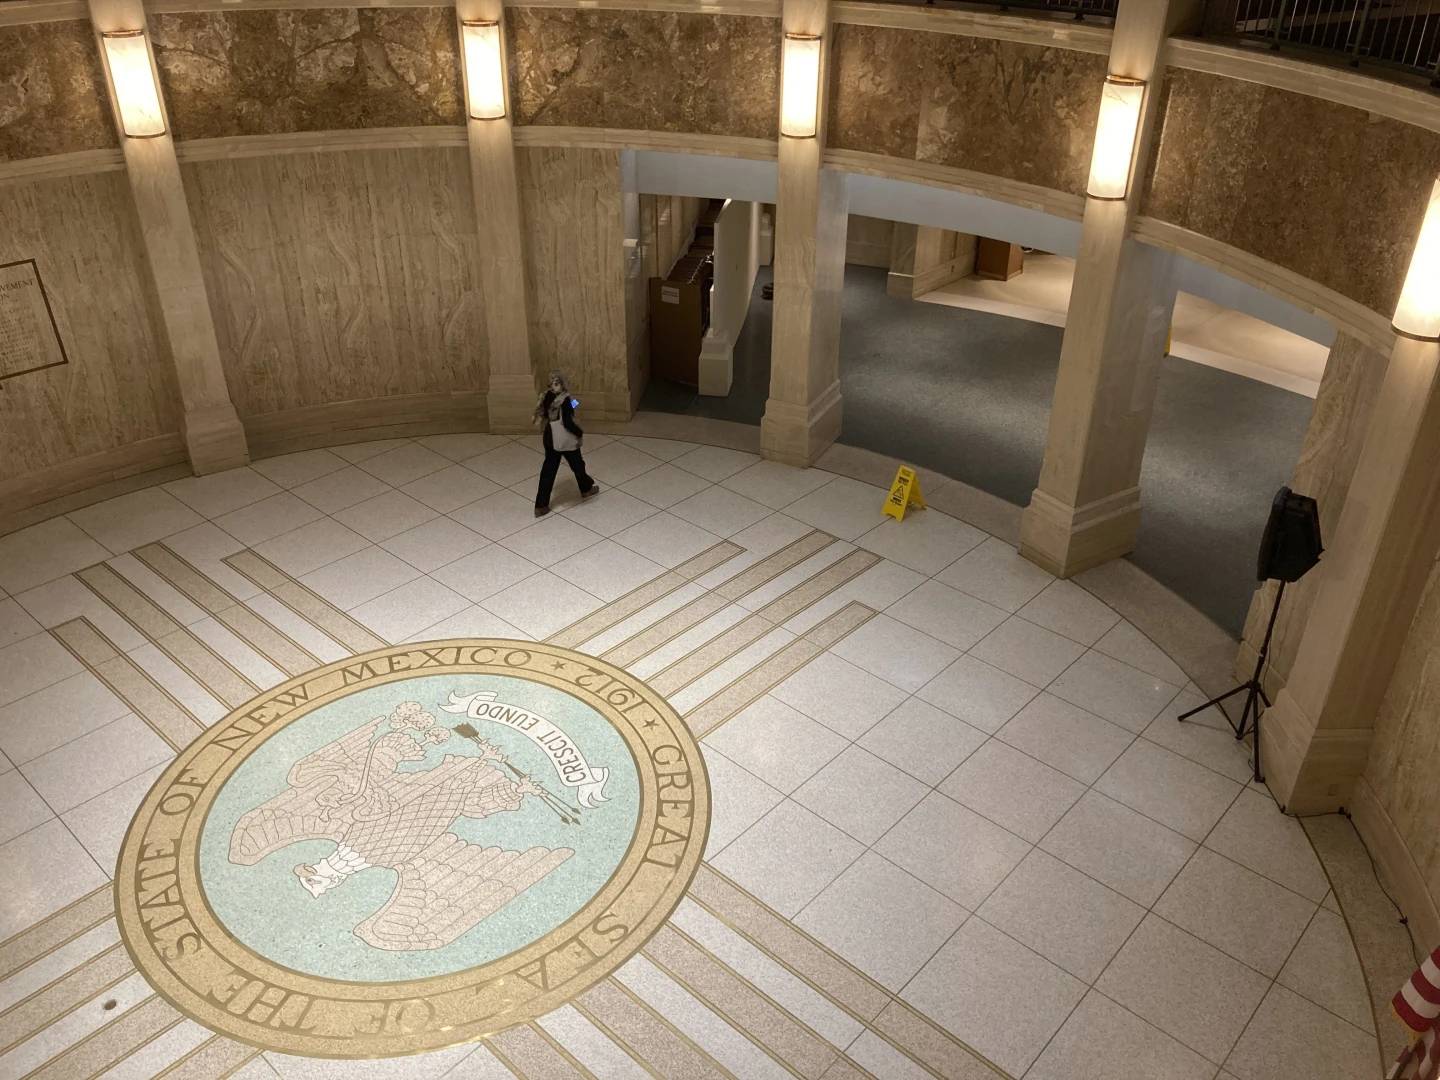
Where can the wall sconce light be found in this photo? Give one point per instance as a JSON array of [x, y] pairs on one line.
[[1417, 315], [800, 95], [1115, 137], [133, 79], [484, 69]]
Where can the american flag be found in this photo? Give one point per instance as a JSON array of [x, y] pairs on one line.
[[1418, 1007]]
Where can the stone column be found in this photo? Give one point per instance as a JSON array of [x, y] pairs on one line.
[[1086, 509], [511, 391], [1316, 737], [802, 416], [1354, 371], [214, 437]]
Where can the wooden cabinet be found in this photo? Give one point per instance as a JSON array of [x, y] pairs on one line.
[[998, 260]]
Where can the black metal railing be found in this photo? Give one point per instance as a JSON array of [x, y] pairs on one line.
[[1079, 9], [1398, 34]]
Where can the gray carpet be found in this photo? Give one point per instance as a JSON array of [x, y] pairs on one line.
[[968, 394]]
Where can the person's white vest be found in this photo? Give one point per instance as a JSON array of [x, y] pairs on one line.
[[561, 438]]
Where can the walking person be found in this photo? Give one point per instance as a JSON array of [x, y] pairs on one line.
[[562, 436]]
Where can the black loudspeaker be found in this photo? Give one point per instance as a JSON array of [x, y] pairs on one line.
[[1291, 544]]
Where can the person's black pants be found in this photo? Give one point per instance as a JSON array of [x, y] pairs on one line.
[[552, 466]]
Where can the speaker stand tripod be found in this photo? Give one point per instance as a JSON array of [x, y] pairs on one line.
[[1253, 691]]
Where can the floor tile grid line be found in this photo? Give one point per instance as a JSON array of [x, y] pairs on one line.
[[605, 1029], [805, 594], [1150, 911], [153, 1011], [606, 1032], [56, 930], [1376, 1016], [155, 556], [615, 984], [618, 610], [63, 633], [16, 1013], [725, 1014], [226, 695], [76, 1000], [758, 991], [197, 1064], [855, 973], [539, 1032], [286, 589]]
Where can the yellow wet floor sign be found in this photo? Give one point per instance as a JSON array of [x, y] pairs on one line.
[[904, 493]]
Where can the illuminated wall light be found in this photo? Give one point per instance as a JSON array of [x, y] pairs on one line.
[[1115, 137], [800, 96], [1417, 315], [136, 95], [484, 70]]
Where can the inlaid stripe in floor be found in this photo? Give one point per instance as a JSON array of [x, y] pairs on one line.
[[145, 696], [617, 1011], [303, 602], [531, 1054]]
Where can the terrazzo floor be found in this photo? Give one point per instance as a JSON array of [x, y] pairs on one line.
[[956, 829]]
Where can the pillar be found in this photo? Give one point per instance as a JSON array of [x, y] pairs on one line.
[[511, 390], [214, 437], [1086, 509], [1315, 740], [1354, 371], [802, 415], [923, 258]]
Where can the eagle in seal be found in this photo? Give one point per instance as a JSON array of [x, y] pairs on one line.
[[351, 791]]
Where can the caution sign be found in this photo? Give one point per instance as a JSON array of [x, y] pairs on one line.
[[904, 493]]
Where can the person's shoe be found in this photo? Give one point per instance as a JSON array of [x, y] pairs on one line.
[[594, 490], [541, 511]]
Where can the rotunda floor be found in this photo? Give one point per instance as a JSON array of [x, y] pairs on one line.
[[718, 774]]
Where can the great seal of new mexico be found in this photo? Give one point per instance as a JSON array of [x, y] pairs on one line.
[[413, 847]]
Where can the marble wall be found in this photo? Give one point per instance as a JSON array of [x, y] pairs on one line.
[[1405, 751], [652, 70], [1330, 192], [574, 234], [271, 71], [1025, 112], [52, 91], [117, 388], [341, 276]]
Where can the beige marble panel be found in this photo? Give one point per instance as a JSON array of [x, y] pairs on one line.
[[645, 70], [52, 91], [341, 276], [575, 272], [1331, 192], [117, 388], [1348, 388], [269, 71], [1019, 111]]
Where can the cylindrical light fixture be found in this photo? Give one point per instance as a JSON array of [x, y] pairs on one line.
[[800, 94], [484, 69], [1115, 137], [133, 79], [1417, 315]]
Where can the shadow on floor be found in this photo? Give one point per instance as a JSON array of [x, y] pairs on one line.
[[968, 394]]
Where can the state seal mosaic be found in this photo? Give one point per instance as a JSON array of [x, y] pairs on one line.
[[413, 847]]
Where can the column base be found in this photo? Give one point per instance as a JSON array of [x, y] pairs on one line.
[[1309, 770], [215, 440], [511, 408], [1067, 539], [798, 434]]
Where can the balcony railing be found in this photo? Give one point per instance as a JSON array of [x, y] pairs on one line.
[[1079, 9], [1396, 34]]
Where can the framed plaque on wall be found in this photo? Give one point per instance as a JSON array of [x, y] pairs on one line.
[[29, 338]]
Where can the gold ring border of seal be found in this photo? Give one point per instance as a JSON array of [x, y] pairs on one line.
[[252, 999]]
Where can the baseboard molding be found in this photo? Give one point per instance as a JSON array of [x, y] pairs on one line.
[[59, 489], [343, 422], [1397, 868]]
